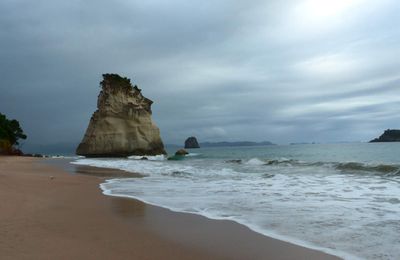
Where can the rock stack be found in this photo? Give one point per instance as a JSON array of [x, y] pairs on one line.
[[191, 142], [121, 125]]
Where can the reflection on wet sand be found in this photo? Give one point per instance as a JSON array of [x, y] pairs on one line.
[[91, 170], [104, 172]]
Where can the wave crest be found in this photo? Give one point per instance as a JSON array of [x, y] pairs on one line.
[[386, 169]]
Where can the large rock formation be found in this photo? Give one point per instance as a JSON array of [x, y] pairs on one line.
[[390, 135], [191, 142], [122, 124]]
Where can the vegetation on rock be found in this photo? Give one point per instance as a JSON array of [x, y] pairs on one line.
[[116, 80]]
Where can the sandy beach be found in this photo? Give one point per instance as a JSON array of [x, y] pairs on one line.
[[49, 212]]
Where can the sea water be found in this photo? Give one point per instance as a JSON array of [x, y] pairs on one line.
[[343, 199]]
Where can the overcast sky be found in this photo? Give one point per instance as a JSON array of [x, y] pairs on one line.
[[283, 71]]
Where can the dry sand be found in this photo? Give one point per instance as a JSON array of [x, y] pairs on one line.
[[48, 213]]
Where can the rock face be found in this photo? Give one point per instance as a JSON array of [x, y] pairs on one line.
[[390, 135], [191, 142], [122, 124]]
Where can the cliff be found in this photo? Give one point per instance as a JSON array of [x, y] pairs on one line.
[[390, 135], [191, 142], [121, 125]]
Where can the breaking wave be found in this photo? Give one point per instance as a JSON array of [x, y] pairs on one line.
[[345, 167], [160, 157]]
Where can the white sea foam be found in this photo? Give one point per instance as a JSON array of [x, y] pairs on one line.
[[193, 154], [211, 215], [160, 157], [255, 161], [342, 213], [67, 157]]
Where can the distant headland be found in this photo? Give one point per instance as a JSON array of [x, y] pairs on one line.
[[237, 143], [390, 135]]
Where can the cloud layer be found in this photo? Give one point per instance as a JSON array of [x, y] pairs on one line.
[[284, 71]]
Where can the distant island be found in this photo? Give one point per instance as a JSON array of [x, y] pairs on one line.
[[191, 142], [232, 144], [390, 135], [301, 143]]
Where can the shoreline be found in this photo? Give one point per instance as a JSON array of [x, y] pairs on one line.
[[68, 216], [252, 228]]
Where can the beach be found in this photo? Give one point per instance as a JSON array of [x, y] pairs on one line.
[[48, 212]]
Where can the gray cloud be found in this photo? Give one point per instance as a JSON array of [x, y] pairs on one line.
[[285, 71]]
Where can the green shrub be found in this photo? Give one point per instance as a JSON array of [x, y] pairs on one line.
[[10, 133], [116, 81]]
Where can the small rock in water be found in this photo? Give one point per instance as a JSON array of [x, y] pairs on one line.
[[179, 155], [181, 152]]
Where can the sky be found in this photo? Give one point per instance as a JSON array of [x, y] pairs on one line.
[[282, 71]]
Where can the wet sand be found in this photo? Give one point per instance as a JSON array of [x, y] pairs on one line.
[[51, 211]]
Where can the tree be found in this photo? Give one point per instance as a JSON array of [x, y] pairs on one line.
[[10, 133], [116, 81]]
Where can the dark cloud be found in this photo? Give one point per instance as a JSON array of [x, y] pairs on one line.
[[285, 71]]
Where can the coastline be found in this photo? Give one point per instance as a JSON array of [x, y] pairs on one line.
[[49, 213]]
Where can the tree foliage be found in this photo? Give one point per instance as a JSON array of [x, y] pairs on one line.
[[116, 80], [10, 132]]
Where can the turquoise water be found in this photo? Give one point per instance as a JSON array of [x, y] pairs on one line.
[[355, 152], [340, 198]]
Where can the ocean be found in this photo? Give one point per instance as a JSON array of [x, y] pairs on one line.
[[343, 199]]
